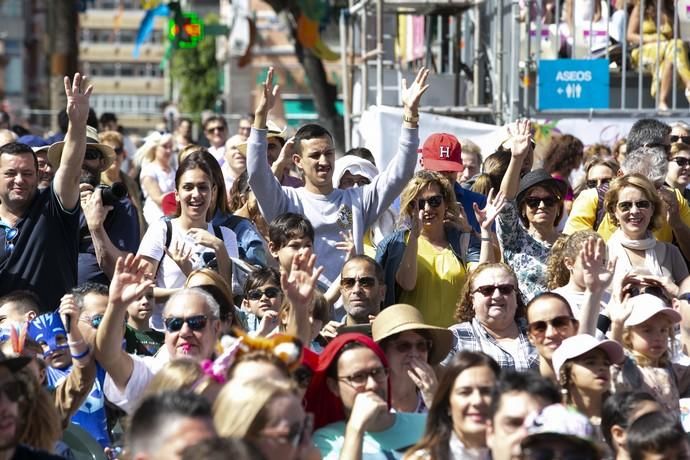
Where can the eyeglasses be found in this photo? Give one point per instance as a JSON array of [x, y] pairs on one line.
[[559, 323], [423, 346], [211, 129], [626, 206], [359, 379], [195, 323], [534, 201], [13, 390], [92, 154], [487, 291], [270, 292], [434, 201], [364, 281], [94, 320], [594, 183], [684, 139], [682, 162]]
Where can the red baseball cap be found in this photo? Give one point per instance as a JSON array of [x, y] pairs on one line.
[[441, 152]]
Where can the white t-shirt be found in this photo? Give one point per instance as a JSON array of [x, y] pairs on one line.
[[165, 181], [143, 370], [169, 273]]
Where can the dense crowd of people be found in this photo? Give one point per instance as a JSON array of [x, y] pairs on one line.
[[260, 298]]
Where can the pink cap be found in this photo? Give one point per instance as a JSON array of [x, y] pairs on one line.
[[644, 306], [578, 345]]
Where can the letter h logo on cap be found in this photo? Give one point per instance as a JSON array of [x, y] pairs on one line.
[[441, 153]]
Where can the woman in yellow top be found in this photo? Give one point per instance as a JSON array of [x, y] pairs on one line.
[[425, 263], [658, 44]]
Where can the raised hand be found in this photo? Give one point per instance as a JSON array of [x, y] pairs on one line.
[[299, 284], [596, 272], [268, 323], [77, 99], [521, 137], [347, 244], [460, 221], [494, 205], [269, 94], [130, 281], [412, 95]]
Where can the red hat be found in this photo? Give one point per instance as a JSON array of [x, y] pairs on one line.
[[441, 152]]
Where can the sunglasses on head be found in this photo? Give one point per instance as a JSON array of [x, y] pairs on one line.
[[270, 292], [559, 322], [656, 291], [625, 206], [594, 183], [534, 201], [403, 346], [13, 390], [487, 291], [364, 281], [434, 201], [195, 323], [683, 139], [682, 162], [92, 154]]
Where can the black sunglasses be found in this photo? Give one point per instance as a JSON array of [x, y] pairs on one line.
[[195, 323], [220, 129], [559, 322], [625, 206], [434, 201], [534, 201], [656, 291], [504, 289], [682, 162], [92, 154], [13, 390], [270, 292], [364, 281], [684, 139], [423, 346], [594, 183]]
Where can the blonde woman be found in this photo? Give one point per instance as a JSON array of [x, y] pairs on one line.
[[157, 176], [268, 413]]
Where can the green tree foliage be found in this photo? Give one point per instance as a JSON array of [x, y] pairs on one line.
[[195, 74]]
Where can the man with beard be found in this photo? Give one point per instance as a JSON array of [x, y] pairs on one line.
[[12, 393], [121, 223], [38, 247]]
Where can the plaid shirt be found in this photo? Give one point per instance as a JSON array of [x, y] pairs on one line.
[[472, 336]]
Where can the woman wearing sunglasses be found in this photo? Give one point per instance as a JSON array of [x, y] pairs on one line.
[[678, 176], [491, 316], [411, 348], [634, 206], [425, 262]]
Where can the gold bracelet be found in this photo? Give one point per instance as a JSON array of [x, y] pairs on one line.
[[410, 118]]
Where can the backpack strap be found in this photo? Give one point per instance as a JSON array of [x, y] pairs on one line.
[[168, 239], [218, 232]]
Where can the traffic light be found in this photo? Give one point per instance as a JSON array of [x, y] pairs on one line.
[[185, 29]]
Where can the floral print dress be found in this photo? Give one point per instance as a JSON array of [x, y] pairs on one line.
[[524, 254]]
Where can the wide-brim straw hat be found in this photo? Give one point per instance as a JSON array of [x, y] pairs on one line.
[[273, 130], [55, 150], [402, 317]]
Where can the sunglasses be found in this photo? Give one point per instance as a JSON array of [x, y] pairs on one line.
[[487, 291], [195, 323], [683, 139], [656, 291], [220, 129], [434, 201], [13, 390], [11, 234], [534, 201], [559, 323], [94, 320], [423, 346], [92, 154], [270, 292], [682, 162], [364, 281], [625, 206], [594, 183]]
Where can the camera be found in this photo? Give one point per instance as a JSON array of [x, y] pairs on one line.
[[113, 193]]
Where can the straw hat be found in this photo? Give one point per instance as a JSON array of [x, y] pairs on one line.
[[273, 130], [55, 150], [402, 317]]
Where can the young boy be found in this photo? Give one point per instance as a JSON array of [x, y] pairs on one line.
[[289, 234], [140, 339], [262, 302]]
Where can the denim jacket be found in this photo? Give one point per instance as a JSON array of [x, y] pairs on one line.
[[389, 254]]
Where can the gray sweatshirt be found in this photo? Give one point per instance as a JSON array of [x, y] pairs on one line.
[[354, 209]]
